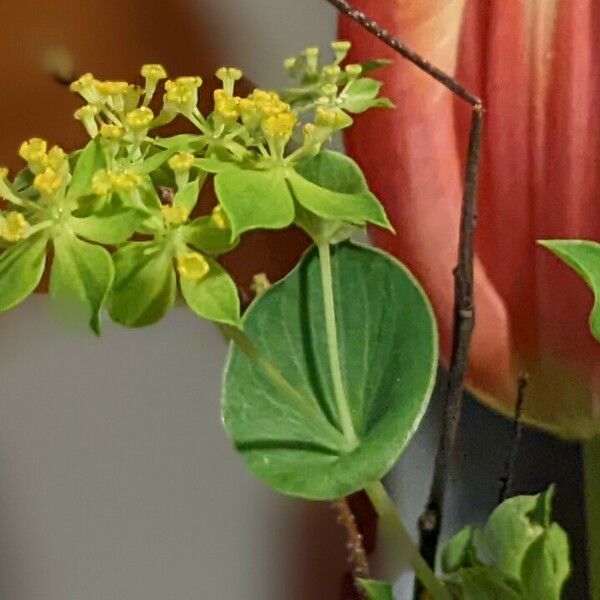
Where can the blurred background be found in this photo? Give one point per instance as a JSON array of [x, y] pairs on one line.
[[116, 478]]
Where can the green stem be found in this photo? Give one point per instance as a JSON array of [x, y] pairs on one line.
[[343, 408], [591, 462], [390, 521]]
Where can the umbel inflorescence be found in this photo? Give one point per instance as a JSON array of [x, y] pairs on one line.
[[116, 241]]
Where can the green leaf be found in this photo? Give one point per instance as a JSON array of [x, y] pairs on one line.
[[21, 268], [373, 65], [83, 272], [214, 297], [178, 143], [90, 160], [332, 186], [508, 534], [458, 551], [154, 161], [584, 258], [205, 236], [484, 583], [376, 590], [546, 565], [361, 95], [112, 224], [289, 433], [254, 199], [145, 284], [187, 196], [213, 165]]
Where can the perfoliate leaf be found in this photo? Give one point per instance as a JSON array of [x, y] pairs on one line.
[[205, 236], [21, 268], [254, 199], [376, 590], [287, 425], [90, 160], [145, 284], [214, 296], [360, 95], [83, 272], [331, 186], [546, 565], [188, 195], [584, 258], [112, 224]]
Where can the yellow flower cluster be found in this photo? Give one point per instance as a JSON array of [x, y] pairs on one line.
[[218, 218], [105, 182], [35, 152], [181, 94], [13, 226], [192, 265], [181, 162]]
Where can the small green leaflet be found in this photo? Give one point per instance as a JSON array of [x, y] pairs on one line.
[[286, 425], [145, 284], [89, 161], [21, 269], [187, 196], [361, 94], [81, 271], [214, 296], [112, 224], [205, 236], [584, 258]]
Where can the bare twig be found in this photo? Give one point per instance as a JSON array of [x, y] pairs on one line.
[[464, 314], [515, 438], [357, 557]]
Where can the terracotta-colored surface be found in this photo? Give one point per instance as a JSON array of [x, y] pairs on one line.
[[535, 65]]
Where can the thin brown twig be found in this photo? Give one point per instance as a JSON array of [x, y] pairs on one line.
[[357, 556], [464, 313], [515, 438]]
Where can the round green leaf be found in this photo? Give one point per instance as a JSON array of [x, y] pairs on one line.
[[205, 236], [214, 297], [388, 351], [145, 284]]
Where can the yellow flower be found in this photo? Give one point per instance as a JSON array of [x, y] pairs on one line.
[[111, 132], [86, 88], [218, 218], [181, 162], [260, 284], [102, 183], [13, 227], [340, 49], [192, 265], [48, 182], [226, 73], [3, 173], [34, 151], [226, 106], [110, 88], [329, 117], [174, 215], [140, 118], [126, 181], [153, 72], [86, 114], [182, 94], [280, 125]]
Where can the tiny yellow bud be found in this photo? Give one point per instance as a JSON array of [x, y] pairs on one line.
[[218, 218], [280, 125], [353, 71], [57, 160], [13, 227], [48, 182], [327, 117], [289, 63], [331, 71], [102, 183], [329, 89], [229, 73], [260, 284], [341, 46], [181, 162], [85, 112], [312, 51], [126, 181], [154, 72], [182, 94], [3, 173], [33, 150], [111, 132], [192, 265], [174, 215], [309, 129], [85, 81], [226, 106], [140, 118]]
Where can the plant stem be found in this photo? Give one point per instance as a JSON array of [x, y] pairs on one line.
[[390, 520], [591, 465], [341, 400]]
